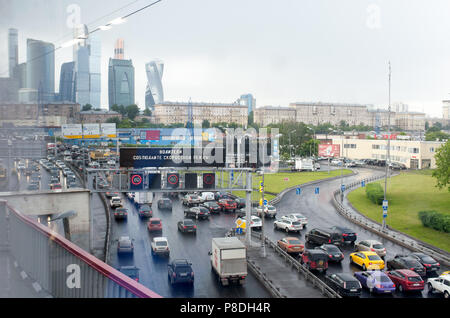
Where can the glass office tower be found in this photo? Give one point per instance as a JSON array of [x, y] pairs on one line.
[[154, 93], [120, 82], [41, 68], [95, 55], [67, 88]]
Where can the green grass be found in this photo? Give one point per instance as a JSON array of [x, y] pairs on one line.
[[408, 194], [277, 182]]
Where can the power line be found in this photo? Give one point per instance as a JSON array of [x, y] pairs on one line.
[[95, 30]]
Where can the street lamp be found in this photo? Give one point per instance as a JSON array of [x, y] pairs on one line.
[[290, 144]]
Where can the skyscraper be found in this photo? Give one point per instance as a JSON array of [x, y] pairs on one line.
[[95, 54], [120, 82], [67, 87], [154, 93], [119, 53], [41, 68], [13, 51], [87, 56]]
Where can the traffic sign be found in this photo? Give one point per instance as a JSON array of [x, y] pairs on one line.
[[317, 191], [385, 204], [299, 191], [240, 223], [239, 231], [265, 202], [232, 175], [136, 181]]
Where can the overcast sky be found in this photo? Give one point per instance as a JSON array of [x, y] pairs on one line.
[[281, 51]]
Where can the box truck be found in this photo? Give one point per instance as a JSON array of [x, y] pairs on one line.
[[229, 260], [141, 198], [304, 165]]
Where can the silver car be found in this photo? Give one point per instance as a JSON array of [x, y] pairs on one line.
[[371, 246], [296, 217], [125, 245]]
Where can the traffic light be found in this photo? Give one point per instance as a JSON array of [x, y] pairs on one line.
[[173, 180], [209, 181], [190, 181]]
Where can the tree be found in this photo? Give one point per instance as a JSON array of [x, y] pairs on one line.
[[114, 120], [436, 135], [147, 112], [442, 172], [132, 111], [206, 124], [86, 108]]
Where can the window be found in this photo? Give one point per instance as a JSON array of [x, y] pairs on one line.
[[432, 149], [413, 150]]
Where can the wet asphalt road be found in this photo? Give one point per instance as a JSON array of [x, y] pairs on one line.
[[321, 213]]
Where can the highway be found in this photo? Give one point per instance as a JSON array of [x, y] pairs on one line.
[[321, 213], [195, 248]]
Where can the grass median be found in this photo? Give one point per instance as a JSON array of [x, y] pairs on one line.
[[408, 193], [277, 182]]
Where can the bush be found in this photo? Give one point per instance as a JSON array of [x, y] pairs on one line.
[[435, 220], [375, 193]]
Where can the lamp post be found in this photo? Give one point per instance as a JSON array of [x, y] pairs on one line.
[[388, 152], [290, 144]]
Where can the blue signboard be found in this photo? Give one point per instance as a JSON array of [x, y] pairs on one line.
[[363, 184], [239, 230], [136, 181], [343, 187], [265, 202], [317, 190], [299, 191]]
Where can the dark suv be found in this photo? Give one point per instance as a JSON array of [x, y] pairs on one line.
[[180, 271], [348, 236], [145, 211], [315, 260], [344, 284], [321, 236], [165, 203]]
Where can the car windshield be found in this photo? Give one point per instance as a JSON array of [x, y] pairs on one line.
[[374, 257], [188, 222], [383, 279], [296, 223], [202, 209], [428, 260], [183, 268], [161, 243], [125, 243], [155, 222], [411, 262], [415, 279], [332, 249], [294, 242], [378, 246]]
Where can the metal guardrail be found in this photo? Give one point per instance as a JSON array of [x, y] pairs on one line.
[[375, 227], [60, 267], [301, 269]]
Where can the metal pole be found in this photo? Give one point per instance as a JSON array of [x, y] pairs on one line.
[[262, 216], [342, 166], [388, 152], [248, 209]]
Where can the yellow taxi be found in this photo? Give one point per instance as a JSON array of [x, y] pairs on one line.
[[445, 273], [367, 260]]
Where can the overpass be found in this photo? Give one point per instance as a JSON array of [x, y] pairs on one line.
[[56, 266]]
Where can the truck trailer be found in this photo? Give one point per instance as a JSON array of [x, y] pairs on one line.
[[229, 260]]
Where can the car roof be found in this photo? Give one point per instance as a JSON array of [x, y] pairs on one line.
[[367, 253], [291, 238], [124, 238], [160, 239], [155, 219], [345, 276], [407, 272], [181, 262], [372, 241]]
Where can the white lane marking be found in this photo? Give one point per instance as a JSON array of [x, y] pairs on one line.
[[37, 287]]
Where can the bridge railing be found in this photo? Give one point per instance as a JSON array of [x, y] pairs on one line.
[[62, 268]]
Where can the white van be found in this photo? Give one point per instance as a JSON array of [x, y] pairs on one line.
[[207, 196]]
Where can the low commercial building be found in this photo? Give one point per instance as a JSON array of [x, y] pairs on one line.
[[413, 154], [174, 112], [96, 116], [29, 114]]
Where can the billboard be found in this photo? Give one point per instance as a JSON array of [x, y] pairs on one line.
[[72, 131], [91, 131], [329, 150], [108, 130], [171, 157]]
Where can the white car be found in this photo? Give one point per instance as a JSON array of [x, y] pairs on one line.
[[160, 245], [440, 284], [94, 164], [115, 202], [336, 162], [256, 223], [131, 195], [68, 159], [288, 225], [21, 166], [296, 217], [269, 211], [207, 196]]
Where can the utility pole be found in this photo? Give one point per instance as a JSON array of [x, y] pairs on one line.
[[388, 152]]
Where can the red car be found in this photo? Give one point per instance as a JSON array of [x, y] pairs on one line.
[[154, 224], [406, 280], [227, 205]]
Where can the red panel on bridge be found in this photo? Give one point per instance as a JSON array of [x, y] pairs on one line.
[[152, 135]]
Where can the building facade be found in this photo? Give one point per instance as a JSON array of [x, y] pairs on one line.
[[413, 154], [13, 51], [120, 82], [249, 101], [446, 109], [41, 68], [154, 93], [172, 113], [335, 113], [93, 117]]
